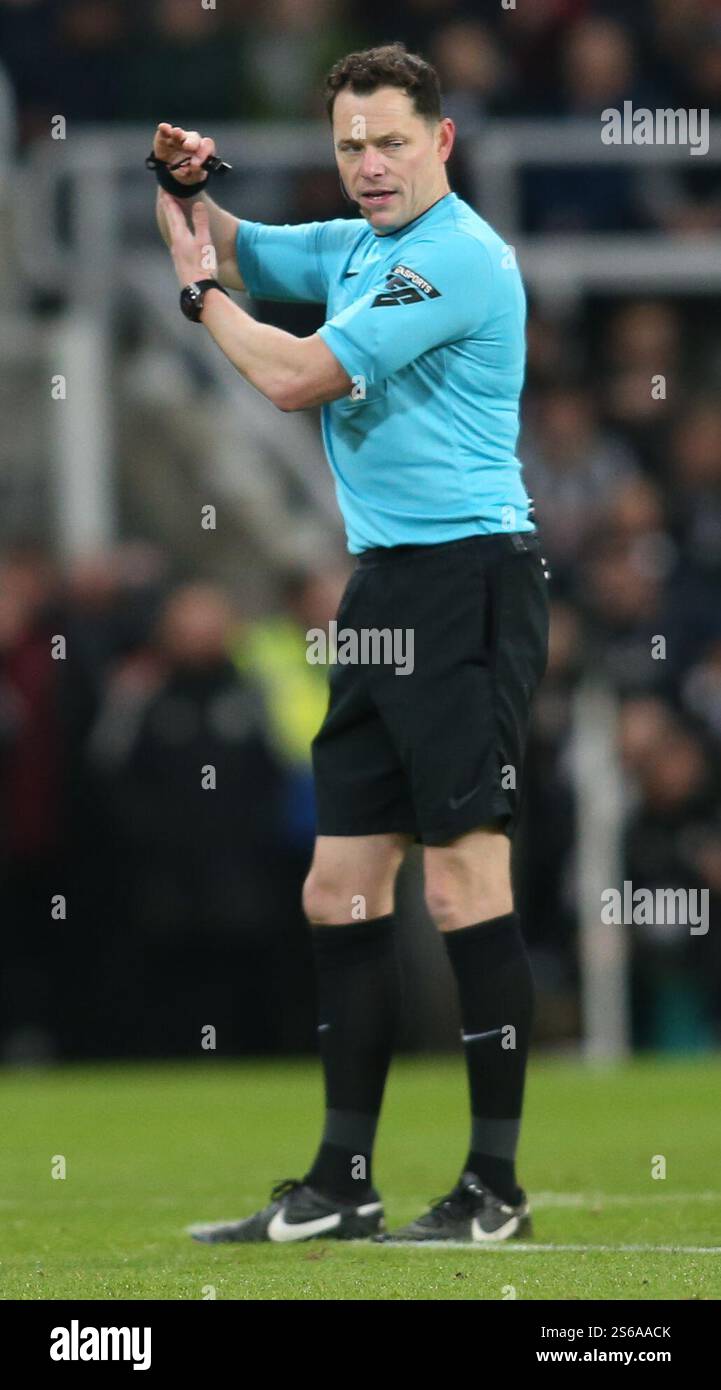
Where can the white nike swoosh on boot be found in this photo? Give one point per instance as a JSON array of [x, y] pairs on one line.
[[477, 1232], [281, 1230]]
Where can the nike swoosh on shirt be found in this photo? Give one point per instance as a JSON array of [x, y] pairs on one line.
[[350, 272], [281, 1230]]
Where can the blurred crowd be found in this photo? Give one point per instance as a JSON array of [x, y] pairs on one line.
[[156, 809], [123, 60], [621, 445], [154, 766]]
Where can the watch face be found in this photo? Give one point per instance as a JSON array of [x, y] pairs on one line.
[[191, 301], [192, 297]]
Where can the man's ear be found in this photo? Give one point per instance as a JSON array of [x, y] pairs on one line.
[[448, 131]]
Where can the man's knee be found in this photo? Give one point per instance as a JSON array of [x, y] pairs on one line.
[[352, 882], [447, 904], [323, 903], [452, 907], [330, 899], [467, 883]]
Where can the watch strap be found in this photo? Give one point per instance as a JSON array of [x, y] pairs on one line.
[[210, 283]]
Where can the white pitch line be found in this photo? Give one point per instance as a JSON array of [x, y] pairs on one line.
[[590, 1199], [522, 1247], [543, 1200], [540, 1201]]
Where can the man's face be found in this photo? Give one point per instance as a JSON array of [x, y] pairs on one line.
[[391, 160]]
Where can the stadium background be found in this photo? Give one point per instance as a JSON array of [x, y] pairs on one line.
[[185, 644]]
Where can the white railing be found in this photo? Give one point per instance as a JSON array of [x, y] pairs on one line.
[[603, 949], [103, 168], [98, 266]]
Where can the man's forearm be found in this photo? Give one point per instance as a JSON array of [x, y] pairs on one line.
[[293, 373]]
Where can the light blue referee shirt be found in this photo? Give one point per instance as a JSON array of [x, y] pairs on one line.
[[429, 323]]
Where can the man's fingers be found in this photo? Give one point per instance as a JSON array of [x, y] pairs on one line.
[[206, 147], [190, 143], [175, 137], [164, 141], [175, 218], [201, 229], [200, 214], [198, 147]]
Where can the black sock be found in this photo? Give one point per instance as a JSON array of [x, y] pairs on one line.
[[359, 1004], [496, 990]]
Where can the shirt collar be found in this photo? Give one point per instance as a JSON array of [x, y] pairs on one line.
[[422, 218]]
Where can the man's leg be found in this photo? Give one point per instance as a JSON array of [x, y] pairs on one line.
[[348, 900], [469, 896]]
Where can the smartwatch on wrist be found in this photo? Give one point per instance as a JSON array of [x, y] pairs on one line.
[[193, 295]]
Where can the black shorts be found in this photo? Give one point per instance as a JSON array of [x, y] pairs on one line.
[[427, 724]]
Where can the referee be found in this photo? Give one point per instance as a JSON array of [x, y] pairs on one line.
[[418, 367]]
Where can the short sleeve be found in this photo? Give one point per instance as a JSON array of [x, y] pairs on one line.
[[437, 294], [291, 262]]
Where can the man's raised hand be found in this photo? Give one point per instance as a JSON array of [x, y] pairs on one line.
[[192, 249], [172, 144]]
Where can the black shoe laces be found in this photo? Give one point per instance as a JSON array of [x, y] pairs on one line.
[[459, 1203], [284, 1188]]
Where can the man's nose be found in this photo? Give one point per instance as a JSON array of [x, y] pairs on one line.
[[372, 163]]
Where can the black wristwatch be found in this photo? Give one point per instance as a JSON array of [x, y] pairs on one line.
[[192, 296]]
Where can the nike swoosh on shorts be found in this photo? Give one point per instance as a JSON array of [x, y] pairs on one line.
[[455, 802], [472, 1037]]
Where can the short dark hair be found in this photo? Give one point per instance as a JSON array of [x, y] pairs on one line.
[[390, 65]]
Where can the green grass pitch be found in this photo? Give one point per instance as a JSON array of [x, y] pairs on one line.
[[150, 1149]]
